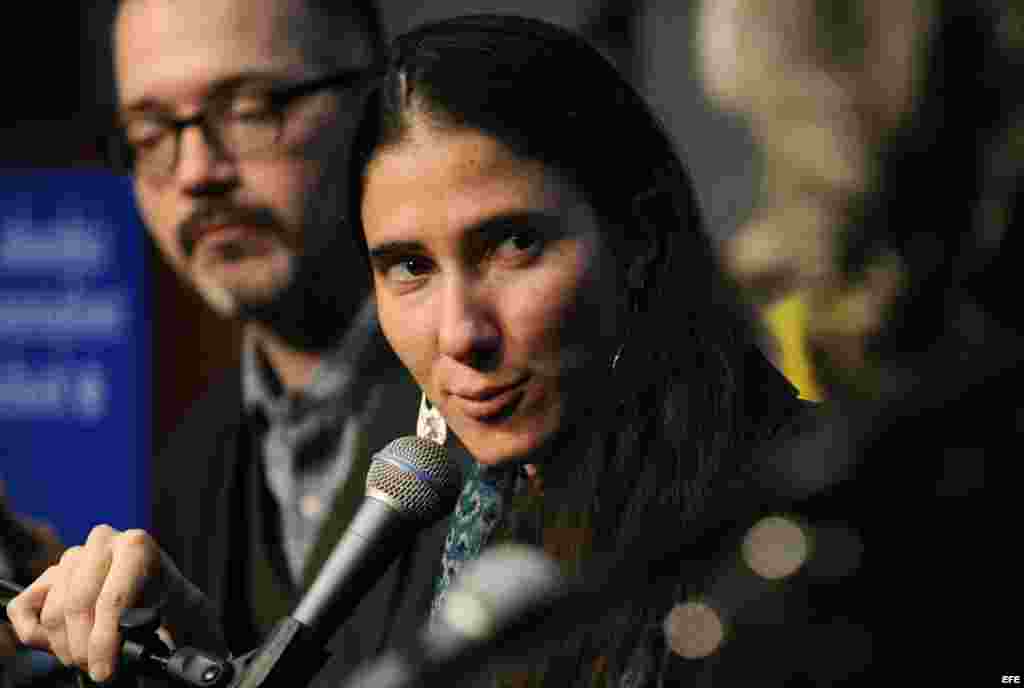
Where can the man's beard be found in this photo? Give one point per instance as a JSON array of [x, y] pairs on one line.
[[327, 284], [326, 289]]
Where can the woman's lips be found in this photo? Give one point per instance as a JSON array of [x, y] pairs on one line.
[[488, 403]]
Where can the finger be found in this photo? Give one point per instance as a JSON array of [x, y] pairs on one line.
[[166, 638], [24, 610], [52, 615], [135, 564], [84, 587]]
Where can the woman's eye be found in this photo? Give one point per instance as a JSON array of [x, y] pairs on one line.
[[520, 245], [408, 269]]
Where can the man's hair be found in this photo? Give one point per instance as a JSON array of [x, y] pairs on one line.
[[366, 15], [362, 13]]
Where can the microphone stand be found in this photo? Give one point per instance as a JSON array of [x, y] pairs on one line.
[[291, 655], [410, 483]]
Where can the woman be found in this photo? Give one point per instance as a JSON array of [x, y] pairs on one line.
[[541, 268]]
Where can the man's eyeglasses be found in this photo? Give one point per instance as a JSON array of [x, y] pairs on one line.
[[149, 145]]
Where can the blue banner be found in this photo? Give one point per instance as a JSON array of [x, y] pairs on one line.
[[74, 351]]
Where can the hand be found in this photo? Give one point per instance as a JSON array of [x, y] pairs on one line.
[[72, 610]]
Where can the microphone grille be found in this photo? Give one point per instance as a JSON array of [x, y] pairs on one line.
[[415, 476]]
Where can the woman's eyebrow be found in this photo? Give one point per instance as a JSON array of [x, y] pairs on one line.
[[492, 230], [480, 233], [536, 219], [395, 248]]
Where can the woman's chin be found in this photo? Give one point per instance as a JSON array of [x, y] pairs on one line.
[[500, 449], [513, 449], [500, 457]]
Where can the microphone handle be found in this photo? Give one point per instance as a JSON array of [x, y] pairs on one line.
[[377, 535]]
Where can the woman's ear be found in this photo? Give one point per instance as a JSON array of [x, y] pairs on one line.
[[644, 252], [650, 210], [636, 275]]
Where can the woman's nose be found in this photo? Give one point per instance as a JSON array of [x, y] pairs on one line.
[[469, 328]]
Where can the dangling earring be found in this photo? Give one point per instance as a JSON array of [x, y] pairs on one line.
[[430, 424], [617, 356]]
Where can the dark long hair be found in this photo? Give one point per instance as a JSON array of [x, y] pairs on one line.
[[673, 408]]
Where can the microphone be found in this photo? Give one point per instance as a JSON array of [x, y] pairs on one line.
[[410, 485], [491, 614]]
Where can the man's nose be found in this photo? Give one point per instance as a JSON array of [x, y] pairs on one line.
[[203, 166]]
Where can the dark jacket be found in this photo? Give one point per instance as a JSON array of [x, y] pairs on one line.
[[200, 514]]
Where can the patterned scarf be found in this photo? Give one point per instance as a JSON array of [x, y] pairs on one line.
[[500, 504], [480, 509]]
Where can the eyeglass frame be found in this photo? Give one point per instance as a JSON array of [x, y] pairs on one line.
[[121, 155]]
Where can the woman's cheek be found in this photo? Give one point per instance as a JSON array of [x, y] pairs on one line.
[[546, 307], [409, 332]]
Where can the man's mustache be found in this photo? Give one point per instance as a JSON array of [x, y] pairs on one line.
[[203, 217]]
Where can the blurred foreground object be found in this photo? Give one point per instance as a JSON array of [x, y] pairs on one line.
[[786, 320], [892, 136], [822, 85], [893, 133]]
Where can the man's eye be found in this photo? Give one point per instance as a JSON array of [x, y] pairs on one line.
[[145, 133], [408, 269]]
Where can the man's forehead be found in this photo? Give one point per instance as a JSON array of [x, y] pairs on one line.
[[176, 49]]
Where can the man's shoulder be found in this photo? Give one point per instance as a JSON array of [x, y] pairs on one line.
[[393, 408], [217, 410]]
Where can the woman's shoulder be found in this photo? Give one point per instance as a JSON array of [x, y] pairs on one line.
[[771, 403], [799, 416]]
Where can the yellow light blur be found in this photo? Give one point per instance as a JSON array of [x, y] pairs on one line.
[[787, 321]]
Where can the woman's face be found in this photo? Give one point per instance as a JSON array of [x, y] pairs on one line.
[[494, 286]]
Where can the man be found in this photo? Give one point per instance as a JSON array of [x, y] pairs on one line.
[[238, 116]]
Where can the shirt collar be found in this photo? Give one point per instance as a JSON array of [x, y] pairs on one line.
[[356, 354]]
